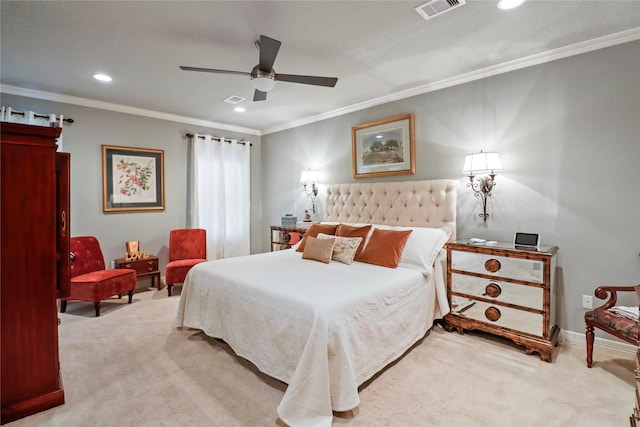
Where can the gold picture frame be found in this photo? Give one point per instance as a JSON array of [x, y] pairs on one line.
[[384, 148], [132, 179]]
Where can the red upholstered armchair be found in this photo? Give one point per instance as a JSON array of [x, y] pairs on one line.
[[187, 247], [608, 320], [89, 279]]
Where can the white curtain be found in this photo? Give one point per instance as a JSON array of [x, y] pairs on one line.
[[220, 194]]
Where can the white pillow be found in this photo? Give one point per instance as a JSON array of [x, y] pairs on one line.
[[344, 248], [422, 247]]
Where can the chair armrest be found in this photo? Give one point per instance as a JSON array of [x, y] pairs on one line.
[[602, 291]]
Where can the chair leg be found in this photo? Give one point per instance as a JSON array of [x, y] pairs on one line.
[[97, 306], [130, 296], [63, 305], [590, 337], [169, 287]]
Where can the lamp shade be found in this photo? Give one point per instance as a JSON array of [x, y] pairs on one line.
[[309, 176], [481, 163]]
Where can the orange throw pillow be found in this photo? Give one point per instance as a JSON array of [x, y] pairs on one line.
[[345, 230], [384, 247], [314, 230]]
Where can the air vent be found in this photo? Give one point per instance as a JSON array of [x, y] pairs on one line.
[[434, 8], [234, 99]]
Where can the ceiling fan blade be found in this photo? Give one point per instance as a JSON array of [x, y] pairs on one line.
[[259, 95], [268, 51], [212, 70], [307, 80]]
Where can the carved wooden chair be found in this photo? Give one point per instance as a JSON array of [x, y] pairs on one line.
[[603, 318], [89, 279], [187, 247]]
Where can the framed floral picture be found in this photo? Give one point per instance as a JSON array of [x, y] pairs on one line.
[[384, 148], [132, 179]]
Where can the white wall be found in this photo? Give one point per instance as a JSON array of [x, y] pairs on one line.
[[83, 139], [569, 137]]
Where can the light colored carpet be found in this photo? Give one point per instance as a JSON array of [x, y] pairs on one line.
[[133, 367]]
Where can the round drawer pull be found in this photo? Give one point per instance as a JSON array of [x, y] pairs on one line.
[[493, 290], [492, 265], [492, 314]]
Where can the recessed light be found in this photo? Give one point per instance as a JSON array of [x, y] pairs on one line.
[[239, 110], [509, 4], [102, 77]]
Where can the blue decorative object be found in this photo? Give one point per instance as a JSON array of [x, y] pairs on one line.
[[289, 220]]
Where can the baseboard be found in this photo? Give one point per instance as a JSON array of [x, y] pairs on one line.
[[618, 347]]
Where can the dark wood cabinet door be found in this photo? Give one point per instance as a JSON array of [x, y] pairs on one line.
[[63, 224]]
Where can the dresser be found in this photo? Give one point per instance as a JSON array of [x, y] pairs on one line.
[[143, 267], [35, 267], [506, 291]]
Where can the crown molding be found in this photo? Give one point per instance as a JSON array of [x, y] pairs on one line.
[[92, 103], [516, 64]]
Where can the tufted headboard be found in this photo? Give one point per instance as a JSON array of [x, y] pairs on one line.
[[408, 203]]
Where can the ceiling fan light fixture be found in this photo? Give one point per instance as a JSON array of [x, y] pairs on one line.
[[262, 80], [263, 83]]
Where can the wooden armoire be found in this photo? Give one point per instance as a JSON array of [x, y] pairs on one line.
[[35, 193]]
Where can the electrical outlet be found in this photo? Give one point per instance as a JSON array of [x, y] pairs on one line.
[[587, 301]]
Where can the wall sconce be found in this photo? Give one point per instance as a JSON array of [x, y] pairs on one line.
[[486, 165], [308, 179]]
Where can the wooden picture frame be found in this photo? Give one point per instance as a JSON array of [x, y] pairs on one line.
[[132, 246], [132, 179], [384, 148]]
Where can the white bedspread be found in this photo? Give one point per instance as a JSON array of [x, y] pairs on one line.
[[323, 329]]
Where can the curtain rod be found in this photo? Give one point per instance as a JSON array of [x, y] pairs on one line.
[[243, 142], [39, 116]]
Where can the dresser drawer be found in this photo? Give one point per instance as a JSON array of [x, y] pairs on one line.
[[506, 317], [509, 293], [141, 266], [499, 266]]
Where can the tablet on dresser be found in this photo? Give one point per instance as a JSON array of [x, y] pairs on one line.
[[526, 240]]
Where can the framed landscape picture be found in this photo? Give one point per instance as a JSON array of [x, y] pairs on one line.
[[384, 148], [132, 179]]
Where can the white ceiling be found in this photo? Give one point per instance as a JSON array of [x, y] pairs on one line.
[[379, 50]]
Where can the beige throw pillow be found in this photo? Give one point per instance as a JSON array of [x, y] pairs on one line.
[[318, 249], [344, 248]]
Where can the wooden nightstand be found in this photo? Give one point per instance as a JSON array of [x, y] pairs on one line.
[[281, 237], [143, 267], [505, 291]]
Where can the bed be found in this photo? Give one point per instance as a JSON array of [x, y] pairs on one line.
[[326, 328]]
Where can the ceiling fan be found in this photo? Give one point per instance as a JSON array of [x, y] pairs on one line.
[[263, 76]]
